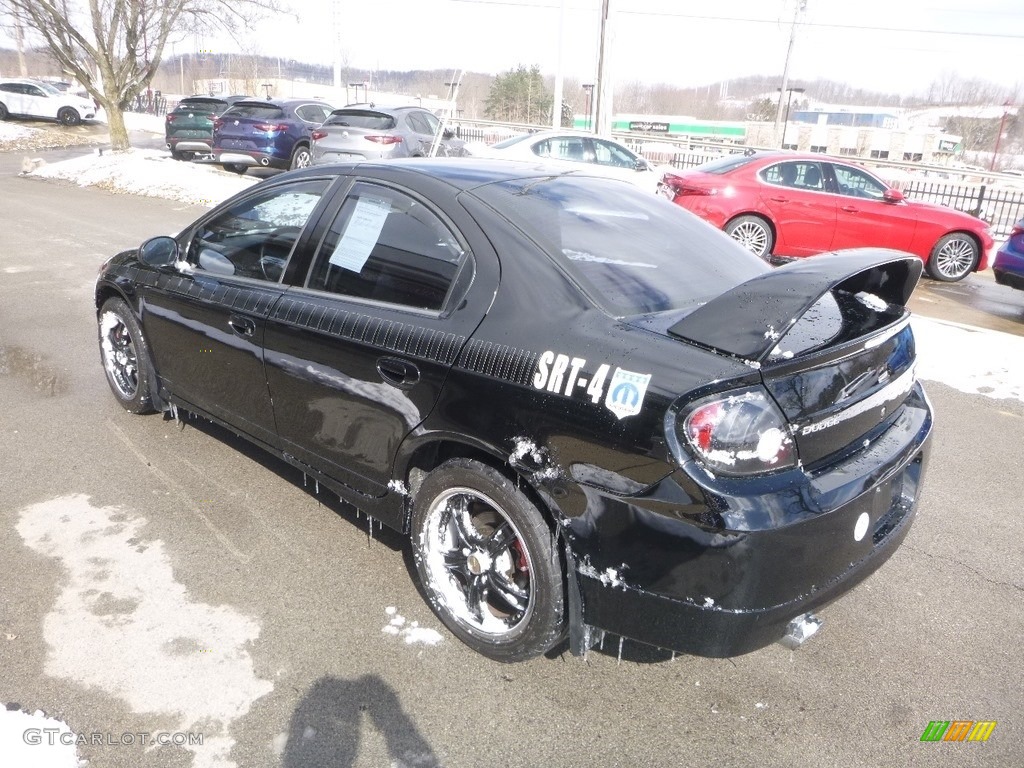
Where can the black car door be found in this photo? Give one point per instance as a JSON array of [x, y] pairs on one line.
[[205, 317], [357, 356]]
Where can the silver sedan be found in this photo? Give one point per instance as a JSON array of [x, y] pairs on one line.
[[369, 132]]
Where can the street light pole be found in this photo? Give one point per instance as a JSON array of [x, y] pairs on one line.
[[999, 136], [589, 89]]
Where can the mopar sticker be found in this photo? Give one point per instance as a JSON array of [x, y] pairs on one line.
[[626, 392], [564, 375]]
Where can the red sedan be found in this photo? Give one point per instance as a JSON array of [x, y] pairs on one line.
[[786, 204]]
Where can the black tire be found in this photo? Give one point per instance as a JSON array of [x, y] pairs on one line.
[[488, 562], [68, 116], [235, 167], [182, 155], [301, 157], [953, 258], [3, 111], [125, 356], [753, 233]]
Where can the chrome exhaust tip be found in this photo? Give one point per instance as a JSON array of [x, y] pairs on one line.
[[800, 630], [265, 161]]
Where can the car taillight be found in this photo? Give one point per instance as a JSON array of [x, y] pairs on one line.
[[271, 127], [218, 124], [738, 433], [683, 186], [384, 139], [318, 134], [170, 118]]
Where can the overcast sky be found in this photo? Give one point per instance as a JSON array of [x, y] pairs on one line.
[[890, 45], [897, 46]]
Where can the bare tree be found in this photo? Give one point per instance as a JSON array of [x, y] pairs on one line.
[[114, 47]]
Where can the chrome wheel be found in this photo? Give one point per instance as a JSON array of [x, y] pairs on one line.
[[752, 233], [476, 563], [953, 258], [119, 355]]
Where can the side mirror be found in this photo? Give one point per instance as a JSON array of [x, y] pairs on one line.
[[159, 251], [641, 164], [892, 196], [447, 134]]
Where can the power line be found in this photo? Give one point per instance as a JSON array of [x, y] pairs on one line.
[[773, 22]]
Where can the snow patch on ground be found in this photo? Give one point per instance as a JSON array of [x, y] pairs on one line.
[[124, 625], [150, 173], [412, 633], [974, 360], [24, 742]]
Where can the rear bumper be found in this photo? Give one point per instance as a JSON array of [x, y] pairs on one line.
[[668, 573], [189, 145], [261, 159]]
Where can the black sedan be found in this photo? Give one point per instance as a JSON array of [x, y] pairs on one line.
[[590, 411]]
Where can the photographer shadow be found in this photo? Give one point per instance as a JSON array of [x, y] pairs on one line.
[[326, 726]]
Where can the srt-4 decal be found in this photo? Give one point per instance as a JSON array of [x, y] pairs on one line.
[[623, 394]]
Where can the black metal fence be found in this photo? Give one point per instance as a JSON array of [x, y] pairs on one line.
[[1000, 207]]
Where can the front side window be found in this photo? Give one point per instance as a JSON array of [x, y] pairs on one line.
[[854, 182], [385, 246], [610, 154], [254, 237]]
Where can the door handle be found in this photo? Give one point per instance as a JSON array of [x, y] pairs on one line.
[[849, 209], [243, 326], [398, 372], [779, 199]]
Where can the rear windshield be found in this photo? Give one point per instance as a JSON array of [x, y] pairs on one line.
[[633, 252], [725, 164], [201, 105], [255, 111], [361, 118]]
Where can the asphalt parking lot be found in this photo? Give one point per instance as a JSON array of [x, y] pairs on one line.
[[272, 621]]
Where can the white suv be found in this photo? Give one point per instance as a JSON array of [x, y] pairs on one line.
[[33, 98]]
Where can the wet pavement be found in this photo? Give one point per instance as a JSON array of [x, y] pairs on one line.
[[273, 636]]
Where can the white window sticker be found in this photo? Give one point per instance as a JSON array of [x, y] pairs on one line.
[[361, 234]]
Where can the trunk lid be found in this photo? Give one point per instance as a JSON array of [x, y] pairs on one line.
[[831, 337]]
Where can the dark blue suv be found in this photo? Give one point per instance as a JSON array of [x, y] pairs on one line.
[[273, 134]]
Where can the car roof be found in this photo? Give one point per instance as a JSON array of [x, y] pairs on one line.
[[467, 173]]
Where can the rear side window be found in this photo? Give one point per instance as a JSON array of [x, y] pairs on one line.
[[386, 246], [254, 112], [360, 118]]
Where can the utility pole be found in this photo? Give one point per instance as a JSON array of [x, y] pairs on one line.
[[556, 107], [801, 6], [603, 120]]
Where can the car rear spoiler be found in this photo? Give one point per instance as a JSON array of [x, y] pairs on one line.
[[749, 320]]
